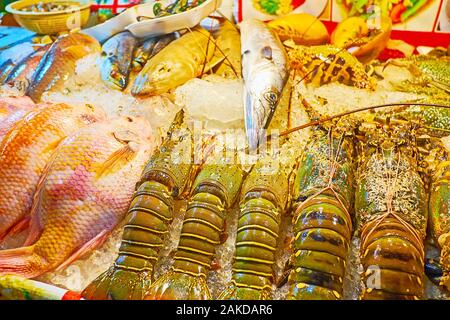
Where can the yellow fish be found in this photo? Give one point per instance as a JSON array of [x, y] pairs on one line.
[[183, 59]]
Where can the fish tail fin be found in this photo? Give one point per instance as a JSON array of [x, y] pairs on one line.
[[22, 262], [234, 292], [118, 284], [179, 286]]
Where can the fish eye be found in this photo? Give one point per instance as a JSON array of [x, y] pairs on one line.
[[272, 97]]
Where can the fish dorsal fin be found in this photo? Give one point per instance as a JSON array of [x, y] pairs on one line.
[[267, 52], [116, 161]]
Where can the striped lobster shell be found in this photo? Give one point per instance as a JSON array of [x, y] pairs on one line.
[[391, 209], [322, 223]]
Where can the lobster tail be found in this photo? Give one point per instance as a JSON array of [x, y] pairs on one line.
[[393, 261], [265, 193], [179, 286], [24, 262], [322, 224], [118, 284], [256, 245], [203, 226], [322, 235], [200, 234], [150, 214]]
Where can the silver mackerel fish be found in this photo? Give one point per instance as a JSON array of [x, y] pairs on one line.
[[117, 55], [265, 73]]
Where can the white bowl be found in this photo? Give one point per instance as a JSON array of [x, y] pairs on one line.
[[128, 20]]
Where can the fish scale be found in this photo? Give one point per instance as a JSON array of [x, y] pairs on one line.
[[13, 109]]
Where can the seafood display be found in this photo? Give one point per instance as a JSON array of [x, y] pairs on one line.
[[50, 7], [11, 57], [117, 53], [175, 7], [149, 48], [324, 64], [391, 210], [264, 200], [440, 217], [229, 46], [149, 217], [213, 193], [291, 159], [11, 36], [21, 75], [81, 196], [11, 111]]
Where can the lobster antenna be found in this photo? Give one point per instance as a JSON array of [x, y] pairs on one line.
[[206, 53], [346, 113]]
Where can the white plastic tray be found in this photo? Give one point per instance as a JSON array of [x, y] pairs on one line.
[[128, 20]]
